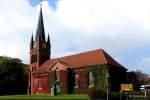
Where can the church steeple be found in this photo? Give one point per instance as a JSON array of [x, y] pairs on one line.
[[40, 32], [40, 48]]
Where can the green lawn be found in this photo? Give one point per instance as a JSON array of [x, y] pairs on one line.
[[45, 96]]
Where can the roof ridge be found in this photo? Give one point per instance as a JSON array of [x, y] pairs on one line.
[[78, 53], [82, 60], [104, 56], [107, 56]]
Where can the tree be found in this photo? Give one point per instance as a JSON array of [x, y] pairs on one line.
[[13, 76], [138, 78], [142, 78]]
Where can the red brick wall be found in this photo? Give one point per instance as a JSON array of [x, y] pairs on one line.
[[83, 81], [64, 81], [35, 85], [44, 84], [63, 76]]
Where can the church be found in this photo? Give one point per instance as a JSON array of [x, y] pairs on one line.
[[78, 73]]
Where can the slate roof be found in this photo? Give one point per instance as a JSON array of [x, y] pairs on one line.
[[81, 60], [40, 32]]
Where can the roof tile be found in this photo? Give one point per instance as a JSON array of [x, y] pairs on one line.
[[81, 60]]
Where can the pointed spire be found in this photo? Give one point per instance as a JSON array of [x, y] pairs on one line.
[[32, 40], [48, 41], [40, 32]]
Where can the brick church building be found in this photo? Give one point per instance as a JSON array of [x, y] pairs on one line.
[[78, 73]]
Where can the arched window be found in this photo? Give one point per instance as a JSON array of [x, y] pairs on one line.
[[57, 75], [40, 84], [76, 80], [32, 68], [35, 57], [91, 79], [32, 59]]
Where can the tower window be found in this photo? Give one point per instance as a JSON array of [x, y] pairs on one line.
[[33, 68], [32, 59], [35, 57]]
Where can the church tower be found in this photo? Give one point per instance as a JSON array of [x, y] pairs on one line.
[[40, 48]]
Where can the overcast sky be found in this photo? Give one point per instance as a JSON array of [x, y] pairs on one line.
[[120, 27]]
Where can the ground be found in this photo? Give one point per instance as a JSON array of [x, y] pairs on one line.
[[46, 96]]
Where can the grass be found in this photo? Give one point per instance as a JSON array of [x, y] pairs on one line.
[[46, 96]]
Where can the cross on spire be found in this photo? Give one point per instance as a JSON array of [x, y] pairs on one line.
[[41, 3]]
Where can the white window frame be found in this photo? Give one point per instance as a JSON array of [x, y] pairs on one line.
[[57, 75], [91, 79], [76, 81]]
